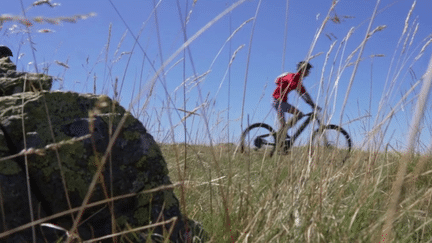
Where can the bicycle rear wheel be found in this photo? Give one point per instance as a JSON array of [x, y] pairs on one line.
[[331, 143], [258, 137]]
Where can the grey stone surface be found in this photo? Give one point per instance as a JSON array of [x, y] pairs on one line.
[[12, 82]]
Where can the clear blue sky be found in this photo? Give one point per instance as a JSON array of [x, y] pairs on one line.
[[82, 46]]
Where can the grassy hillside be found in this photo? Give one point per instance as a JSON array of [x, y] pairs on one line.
[[254, 198]]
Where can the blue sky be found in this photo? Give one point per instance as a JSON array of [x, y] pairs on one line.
[[82, 46]]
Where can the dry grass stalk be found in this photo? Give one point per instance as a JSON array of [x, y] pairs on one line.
[[397, 185]]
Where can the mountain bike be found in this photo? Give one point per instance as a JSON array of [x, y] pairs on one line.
[[330, 140]]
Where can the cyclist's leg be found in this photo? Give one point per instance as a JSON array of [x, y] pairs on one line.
[[281, 108], [296, 115], [280, 112], [285, 107], [284, 126]]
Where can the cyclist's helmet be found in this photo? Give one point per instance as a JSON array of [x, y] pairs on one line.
[[5, 52], [303, 64]]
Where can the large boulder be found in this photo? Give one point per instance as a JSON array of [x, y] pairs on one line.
[[66, 135]]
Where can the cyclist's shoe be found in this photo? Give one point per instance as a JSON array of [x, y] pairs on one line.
[[283, 152]]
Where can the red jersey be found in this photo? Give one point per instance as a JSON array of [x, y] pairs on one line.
[[286, 84]]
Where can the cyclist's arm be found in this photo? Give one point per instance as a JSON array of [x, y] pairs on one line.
[[306, 97]]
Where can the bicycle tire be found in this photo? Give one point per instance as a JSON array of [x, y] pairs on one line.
[[333, 148], [248, 137]]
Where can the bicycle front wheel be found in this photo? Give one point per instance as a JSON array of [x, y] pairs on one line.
[[258, 137], [331, 143]]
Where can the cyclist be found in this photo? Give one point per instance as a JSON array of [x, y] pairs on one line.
[[286, 83]]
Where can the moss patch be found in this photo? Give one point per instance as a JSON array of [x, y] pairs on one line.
[[142, 163], [9, 167], [142, 215], [131, 135]]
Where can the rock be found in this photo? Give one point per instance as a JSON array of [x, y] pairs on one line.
[[15, 82], [135, 164], [12, 82], [6, 65]]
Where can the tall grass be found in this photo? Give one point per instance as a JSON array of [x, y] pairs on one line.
[[300, 198], [375, 196]]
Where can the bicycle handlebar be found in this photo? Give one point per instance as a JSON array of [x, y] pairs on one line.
[[313, 115]]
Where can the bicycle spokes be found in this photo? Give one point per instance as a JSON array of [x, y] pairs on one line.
[[258, 136], [331, 143]]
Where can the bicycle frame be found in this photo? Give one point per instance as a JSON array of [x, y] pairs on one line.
[[290, 140]]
